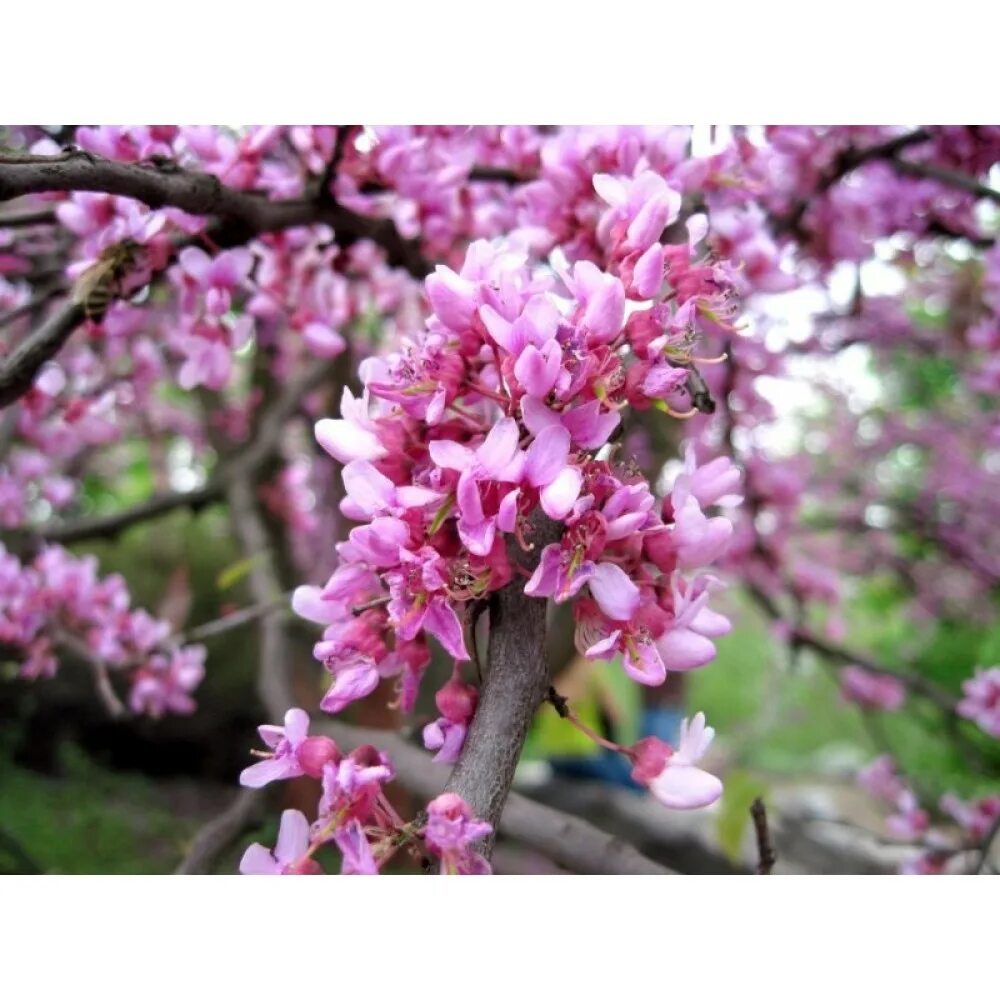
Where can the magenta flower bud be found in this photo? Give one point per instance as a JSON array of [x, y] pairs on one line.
[[307, 866], [456, 700], [315, 751], [651, 756]]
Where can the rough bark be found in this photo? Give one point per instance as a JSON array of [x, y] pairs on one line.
[[516, 679]]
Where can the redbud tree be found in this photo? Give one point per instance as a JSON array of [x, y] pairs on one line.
[[446, 380]]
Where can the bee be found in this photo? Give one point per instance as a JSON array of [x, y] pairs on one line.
[[101, 283]]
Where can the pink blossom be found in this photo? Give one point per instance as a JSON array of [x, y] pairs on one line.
[[871, 690], [289, 854], [981, 703], [671, 774], [451, 830], [294, 752]]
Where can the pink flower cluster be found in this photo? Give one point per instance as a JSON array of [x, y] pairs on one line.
[[981, 703], [354, 814], [671, 775], [58, 595], [498, 413], [869, 690], [882, 780]]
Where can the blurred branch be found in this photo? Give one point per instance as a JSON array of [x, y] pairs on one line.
[[245, 463], [22, 364], [34, 303], [952, 178], [803, 637], [234, 620], [244, 813], [109, 525], [102, 681], [848, 161], [274, 685], [18, 220]]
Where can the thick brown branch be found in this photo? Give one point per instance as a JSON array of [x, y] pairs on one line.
[[517, 678], [242, 215], [22, 364]]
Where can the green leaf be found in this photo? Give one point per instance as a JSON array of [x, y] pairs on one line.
[[741, 789], [236, 571]]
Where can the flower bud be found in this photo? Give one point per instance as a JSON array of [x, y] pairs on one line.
[[314, 752], [456, 700]]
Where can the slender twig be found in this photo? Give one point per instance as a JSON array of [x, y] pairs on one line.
[[18, 220], [99, 669], [765, 850], [32, 305], [234, 620], [847, 162], [248, 461], [952, 178], [326, 193], [921, 685], [274, 685]]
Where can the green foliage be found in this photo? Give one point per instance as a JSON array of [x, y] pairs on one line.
[[733, 816], [90, 819]]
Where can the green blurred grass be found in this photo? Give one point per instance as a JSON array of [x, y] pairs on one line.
[[89, 820]]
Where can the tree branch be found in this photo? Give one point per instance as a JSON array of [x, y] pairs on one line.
[[242, 214], [19, 220], [952, 178], [22, 364], [517, 678], [248, 461], [102, 681], [765, 850], [244, 813], [110, 525], [847, 162], [571, 842], [274, 685], [236, 619]]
